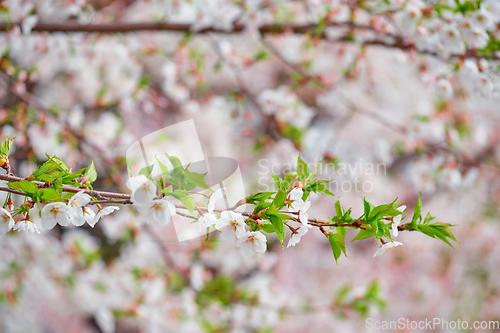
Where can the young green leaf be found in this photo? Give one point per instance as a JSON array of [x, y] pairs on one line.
[[302, 168], [25, 186], [91, 173], [417, 214]]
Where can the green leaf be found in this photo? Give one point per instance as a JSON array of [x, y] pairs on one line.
[[428, 218], [163, 167], [45, 168], [338, 208], [417, 214], [146, 171], [68, 177], [302, 168], [384, 210], [261, 206], [277, 223], [261, 55], [259, 196], [51, 195], [380, 229], [438, 230], [441, 236], [5, 147], [185, 199], [314, 172], [25, 186], [337, 244], [91, 173], [266, 227], [319, 187], [363, 234], [426, 230], [58, 184], [193, 179], [277, 180], [60, 163], [279, 199], [367, 209], [176, 163]]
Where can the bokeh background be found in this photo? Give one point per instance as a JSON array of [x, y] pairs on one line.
[[401, 84]]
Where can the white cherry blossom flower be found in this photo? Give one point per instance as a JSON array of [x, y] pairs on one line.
[[452, 40], [89, 215], [295, 238], [143, 189], [475, 37], [484, 85], [295, 199], [25, 225], [252, 242], [206, 221], [6, 221], [231, 224], [209, 219], [386, 247], [158, 211], [75, 205], [396, 221], [444, 88], [408, 19], [54, 213], [103, 212], [484, 19], [216, 196], [303, 213]]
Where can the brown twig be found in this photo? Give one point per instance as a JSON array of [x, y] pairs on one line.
[[397, 41]]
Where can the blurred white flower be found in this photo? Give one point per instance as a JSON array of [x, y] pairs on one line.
[[444, 88], [408, 19], [475, 36], [484, 19], [252, 242], [295, 238], [105, 320], [27, 226], [386, 247], [6, 221], [216, 196], [103, 212], [143, 189], [56, 212], [28, 23], [231, 224], [452, 40], [158, 211], [75, 205], [396, 221], [484, 85]]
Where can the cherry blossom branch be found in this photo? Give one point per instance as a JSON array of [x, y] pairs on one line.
[[110, 198], [397, 41]]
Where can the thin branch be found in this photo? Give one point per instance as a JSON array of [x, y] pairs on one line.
[[71, 189], [398, 41], [126, 201]]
